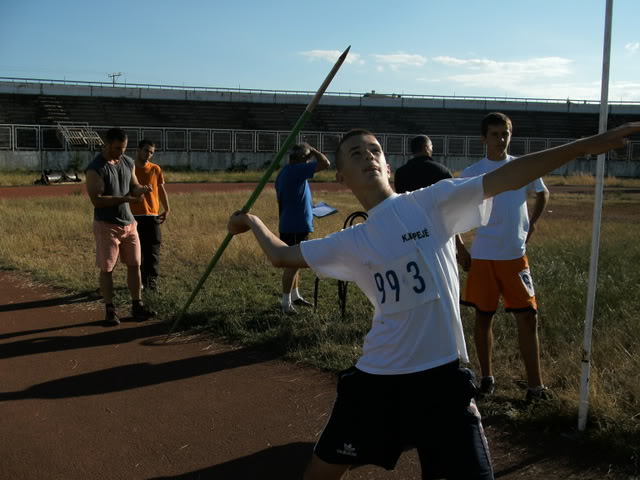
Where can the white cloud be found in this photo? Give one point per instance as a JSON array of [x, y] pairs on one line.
[[632, 47], [543, 77], [332, 56], [518, 78], [400, 59], [485, 70]]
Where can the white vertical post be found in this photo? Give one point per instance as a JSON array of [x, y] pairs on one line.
[[595, 237]]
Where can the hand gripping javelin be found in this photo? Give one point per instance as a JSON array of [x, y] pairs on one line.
[[265, 178]]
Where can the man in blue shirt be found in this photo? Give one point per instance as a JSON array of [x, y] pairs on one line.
[[296, 217]]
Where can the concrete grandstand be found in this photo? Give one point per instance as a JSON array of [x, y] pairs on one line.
[[214, 128]]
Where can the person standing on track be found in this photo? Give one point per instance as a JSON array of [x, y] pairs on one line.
[[147, 212], [112, 185], [499, 264], [295, 211]]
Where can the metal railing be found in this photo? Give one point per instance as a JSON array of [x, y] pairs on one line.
[[49, 138], [148, 86]]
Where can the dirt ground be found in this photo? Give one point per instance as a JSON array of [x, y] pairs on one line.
[[79, 400]]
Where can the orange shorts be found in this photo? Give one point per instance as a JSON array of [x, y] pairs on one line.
[[489, 279], [113, 240]]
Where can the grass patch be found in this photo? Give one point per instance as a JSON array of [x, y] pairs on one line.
[[52, 239]]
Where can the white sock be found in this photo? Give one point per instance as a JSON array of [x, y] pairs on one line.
[[295, 294], [286, 299]]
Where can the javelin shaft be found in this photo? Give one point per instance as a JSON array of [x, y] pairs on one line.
[[263, 181], [252, 199]]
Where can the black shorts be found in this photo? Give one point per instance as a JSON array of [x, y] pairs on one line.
[[292, 239], [376, 417]]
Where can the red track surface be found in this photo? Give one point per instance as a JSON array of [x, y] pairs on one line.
[[76, 189]]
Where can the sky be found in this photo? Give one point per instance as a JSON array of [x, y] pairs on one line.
[[541, 49]]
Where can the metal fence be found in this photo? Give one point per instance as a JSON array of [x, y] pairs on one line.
[[48, 138]]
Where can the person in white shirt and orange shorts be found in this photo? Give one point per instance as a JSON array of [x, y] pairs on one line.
[[499, 265]]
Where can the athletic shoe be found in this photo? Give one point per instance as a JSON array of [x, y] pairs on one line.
[[301, 301], [487, 386], [537, 394], [141, 312], [288, 309], [111, 317]]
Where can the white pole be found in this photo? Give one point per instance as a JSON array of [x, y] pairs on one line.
[[595, 237]]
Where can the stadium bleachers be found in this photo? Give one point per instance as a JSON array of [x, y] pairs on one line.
[[47, 110]]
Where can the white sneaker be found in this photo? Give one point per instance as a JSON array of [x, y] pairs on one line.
[[288, 309]]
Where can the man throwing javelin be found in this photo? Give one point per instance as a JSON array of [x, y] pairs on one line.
[[407, 388]]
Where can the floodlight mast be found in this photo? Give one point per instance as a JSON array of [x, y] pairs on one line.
[[114, 76], [288, 143]]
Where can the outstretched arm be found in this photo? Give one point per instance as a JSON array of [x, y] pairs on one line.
[[278, 252], [524, 170]]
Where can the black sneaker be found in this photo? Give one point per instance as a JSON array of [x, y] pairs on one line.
[[301, 301], [111, 317], [141, 312], [537, 394], [487, 387]]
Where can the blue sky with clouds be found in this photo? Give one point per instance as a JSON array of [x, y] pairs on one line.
[[547, 49]]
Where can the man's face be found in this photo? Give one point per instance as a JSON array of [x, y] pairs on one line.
[[116, 149], [362, 163], [497, 139], [429, 148], [145, 153]]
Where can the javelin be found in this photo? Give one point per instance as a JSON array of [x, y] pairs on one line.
[[265, 178]]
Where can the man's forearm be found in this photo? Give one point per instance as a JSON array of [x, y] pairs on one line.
[[542, 198], [164, 199], [107, 201], [271, 245], [137, 190], [524, 170], [321, 158]]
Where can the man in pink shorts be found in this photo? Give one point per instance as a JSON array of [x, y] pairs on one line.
[[112, 185]]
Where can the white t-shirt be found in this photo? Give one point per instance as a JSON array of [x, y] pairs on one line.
[[503, 238], [403, 259]]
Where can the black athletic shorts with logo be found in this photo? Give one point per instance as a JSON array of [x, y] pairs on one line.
[[376, 417], [292, 239]]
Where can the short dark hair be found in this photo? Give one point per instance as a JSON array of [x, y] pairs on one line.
[[145, 142], [298, 152], [418, 143], [356, 132], [116, 134], [495, 118]]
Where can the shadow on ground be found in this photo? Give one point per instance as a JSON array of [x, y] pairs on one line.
[[285, 462], [137, 375]]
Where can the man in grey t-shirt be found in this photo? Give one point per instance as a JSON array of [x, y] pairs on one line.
[[112, 185]]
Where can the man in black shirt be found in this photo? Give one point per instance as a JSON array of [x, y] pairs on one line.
[[422, 171]]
